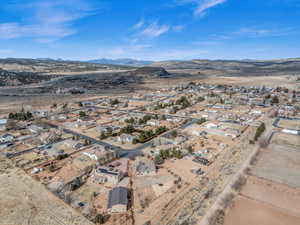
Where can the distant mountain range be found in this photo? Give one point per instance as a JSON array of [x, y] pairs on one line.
[[130, 62]]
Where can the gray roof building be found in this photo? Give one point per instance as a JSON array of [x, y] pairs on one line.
[[118, 196]]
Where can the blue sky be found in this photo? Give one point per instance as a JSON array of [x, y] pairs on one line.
[[150, 29]]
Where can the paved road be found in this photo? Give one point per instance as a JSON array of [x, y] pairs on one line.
[[13, 155], [121, 151]]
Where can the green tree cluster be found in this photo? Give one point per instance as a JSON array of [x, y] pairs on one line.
[[259, 131], [20, 116]]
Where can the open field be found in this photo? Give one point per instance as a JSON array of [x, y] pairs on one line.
[[246, 211], [279, 195], [289, 124], [286, 139], [270, 81], [280, 164]]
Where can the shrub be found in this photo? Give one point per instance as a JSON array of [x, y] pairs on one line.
[[259, 131], [217, 218], [239, 183], [227, 200]]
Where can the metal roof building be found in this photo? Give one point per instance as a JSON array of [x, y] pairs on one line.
[[118, 200]]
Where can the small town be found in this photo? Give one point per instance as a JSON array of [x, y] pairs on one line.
[[149, 157]]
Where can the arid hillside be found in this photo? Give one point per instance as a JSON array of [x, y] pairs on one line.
[[234, 67], [25, 201]]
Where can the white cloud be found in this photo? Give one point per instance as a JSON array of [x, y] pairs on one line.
[[50, 20], [178, 28], [155, 30], [139, 24], [207, 4], [264, 32], [201, 5], [10, 30]]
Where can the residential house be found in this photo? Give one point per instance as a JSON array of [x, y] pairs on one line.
[[3, 123], [154, 123], [50, 137], [108, 176], [144, 167], [40, 114], [100, 154], [34, 129], [6, 138], [126, 138], [118, 200]]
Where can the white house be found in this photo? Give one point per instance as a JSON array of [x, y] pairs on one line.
[[106, 175], [154, 123], [211, 125], [3, 123], [35, 129], [126, 138], [6, 138]]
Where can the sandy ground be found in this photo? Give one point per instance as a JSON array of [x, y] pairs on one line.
[[290, 124], [286, 139], [268, 81], [250, 212], [25, 201], [280, 164], [279, 195]]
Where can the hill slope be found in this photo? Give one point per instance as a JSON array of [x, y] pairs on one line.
[[235, 67]]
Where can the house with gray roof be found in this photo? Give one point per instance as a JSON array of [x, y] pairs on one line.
[[118, 200]]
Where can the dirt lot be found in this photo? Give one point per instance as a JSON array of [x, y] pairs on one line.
[[276, 194], [25, 201], [290, 124], [286, 139], [280, 164], [270, 81], [250, 212]]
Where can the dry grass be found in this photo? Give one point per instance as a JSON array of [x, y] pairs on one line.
[[217, 218]]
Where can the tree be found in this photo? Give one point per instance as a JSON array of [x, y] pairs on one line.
[[135, 141], [20, 115], [200, 99], [100, 219], [201, 121], [190, 149], [102, 136], [177, 154], [158, 160], [163, 117], [109, 132], [128, 129], [160, 130], [82, 114], [114, 102], [174, 133], [259, 131], [131, 120], [275, 100]]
